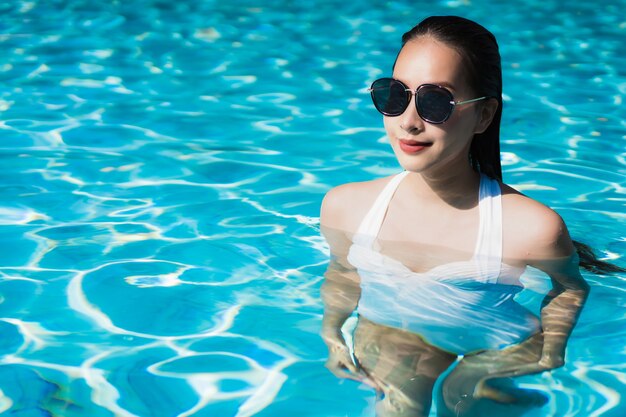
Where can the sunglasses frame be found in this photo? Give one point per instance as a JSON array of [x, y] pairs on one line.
[[415, 93]]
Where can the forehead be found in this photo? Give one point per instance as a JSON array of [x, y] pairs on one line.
[[425, 60]]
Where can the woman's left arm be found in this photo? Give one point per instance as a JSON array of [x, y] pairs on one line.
[[555, 255], [561, 307]]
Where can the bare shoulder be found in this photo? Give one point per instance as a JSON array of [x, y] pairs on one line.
[[532, 231], [345, 206]]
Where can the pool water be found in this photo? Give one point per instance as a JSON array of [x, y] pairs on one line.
[[163, 167]]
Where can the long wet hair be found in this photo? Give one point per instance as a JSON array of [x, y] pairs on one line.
[[479, 51]]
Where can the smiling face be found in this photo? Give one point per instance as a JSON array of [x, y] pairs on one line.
[[428, 148]]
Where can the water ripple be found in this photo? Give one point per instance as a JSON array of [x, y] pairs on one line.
[[164, 167]]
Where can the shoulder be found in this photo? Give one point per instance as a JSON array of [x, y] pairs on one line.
[[532, 230], [345, 206]]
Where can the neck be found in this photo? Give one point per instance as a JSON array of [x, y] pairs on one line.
[[457, 188]]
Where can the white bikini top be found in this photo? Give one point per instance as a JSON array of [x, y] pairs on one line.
[[460, 307], [487, 257]]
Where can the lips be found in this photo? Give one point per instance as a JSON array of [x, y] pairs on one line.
[[413, 146]]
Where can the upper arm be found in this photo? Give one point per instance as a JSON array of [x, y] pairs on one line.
[[556, 255], [543, 241], [332, 211], [335, 227], [551, 239], [341, 213], [532, 231], [334, 222], [345, 206]]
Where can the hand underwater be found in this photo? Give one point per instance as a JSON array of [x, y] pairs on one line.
[[341, 363]]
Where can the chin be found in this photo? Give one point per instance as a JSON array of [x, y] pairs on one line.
[[412, 163], [413, 166]]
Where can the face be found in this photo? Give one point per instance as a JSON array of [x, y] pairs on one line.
[[433, 148]]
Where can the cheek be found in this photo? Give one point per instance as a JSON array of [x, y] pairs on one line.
[[459, 137], [463, 118], [389, 123], [454, 136], [460, 126]]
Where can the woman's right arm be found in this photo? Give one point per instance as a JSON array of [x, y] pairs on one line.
[[340, 294], [341, 288]]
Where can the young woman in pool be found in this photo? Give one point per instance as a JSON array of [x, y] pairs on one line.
[[430, 258]]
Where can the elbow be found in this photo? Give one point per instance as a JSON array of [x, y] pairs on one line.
[[581, 288], [579, 293]]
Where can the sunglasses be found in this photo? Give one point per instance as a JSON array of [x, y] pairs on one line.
[[434, 103]]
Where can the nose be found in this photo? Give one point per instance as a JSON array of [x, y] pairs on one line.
[[410, 121]]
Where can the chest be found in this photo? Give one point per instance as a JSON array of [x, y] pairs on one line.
[[424, 238], [448, 228]]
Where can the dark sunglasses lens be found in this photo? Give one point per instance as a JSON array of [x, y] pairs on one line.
[[434, 104], [389, 96]]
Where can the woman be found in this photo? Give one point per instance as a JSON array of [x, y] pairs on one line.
[[438, 238]]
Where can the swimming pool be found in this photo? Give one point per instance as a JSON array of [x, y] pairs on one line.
[[163, 169]]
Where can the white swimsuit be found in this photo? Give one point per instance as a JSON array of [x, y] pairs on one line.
[[460, 307]]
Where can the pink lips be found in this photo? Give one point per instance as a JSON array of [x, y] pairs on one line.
[[413, 146]]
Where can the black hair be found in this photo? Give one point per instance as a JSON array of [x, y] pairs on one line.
[[590, 262], [479, 51]]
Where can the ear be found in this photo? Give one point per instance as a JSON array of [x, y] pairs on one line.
[[487, 112]]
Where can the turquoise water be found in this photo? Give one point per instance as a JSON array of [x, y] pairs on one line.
[[163, 166]]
